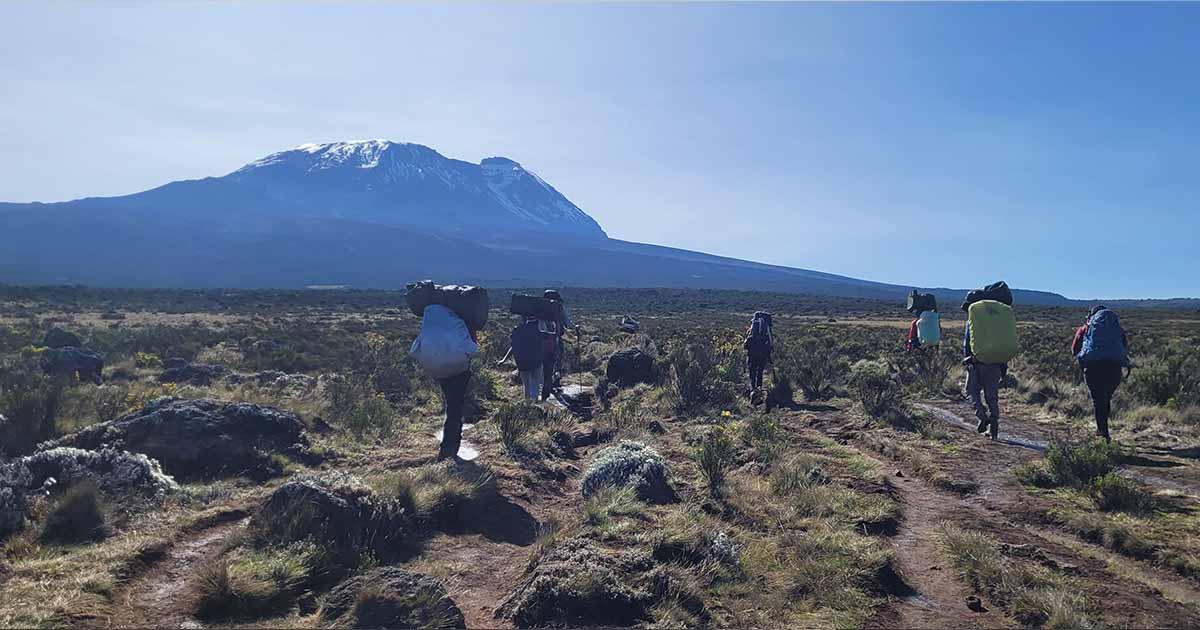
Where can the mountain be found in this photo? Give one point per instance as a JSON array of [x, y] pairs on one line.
[[368, 214]]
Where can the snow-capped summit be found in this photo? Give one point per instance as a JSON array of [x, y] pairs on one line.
[[411, 184]]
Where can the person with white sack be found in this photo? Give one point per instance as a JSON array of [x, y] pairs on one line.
[[444, 349]]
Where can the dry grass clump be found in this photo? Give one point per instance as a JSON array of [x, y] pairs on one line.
[[1032, 594]]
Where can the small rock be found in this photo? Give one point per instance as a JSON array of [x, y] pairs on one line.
[[975, 604], [899, 473], [656, 427]]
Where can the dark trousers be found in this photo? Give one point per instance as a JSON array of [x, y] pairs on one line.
[[454, 392], [1102, 380], [756, 373], [983, 386], [549, 371]]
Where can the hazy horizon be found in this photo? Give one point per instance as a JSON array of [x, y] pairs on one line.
[[933, 145]]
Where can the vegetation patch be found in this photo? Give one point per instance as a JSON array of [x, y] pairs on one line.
[[1034, 595]]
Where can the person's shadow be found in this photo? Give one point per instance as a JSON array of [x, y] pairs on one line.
[[491, 514]]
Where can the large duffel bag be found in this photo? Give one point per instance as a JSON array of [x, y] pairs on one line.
[[535, 306], [444, 347], [469, 303], [997, 292], [921, 302], [993, 331]]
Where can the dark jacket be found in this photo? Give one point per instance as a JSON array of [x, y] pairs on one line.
[[527, 346]]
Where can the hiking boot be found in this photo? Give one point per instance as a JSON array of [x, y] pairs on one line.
[[983, 426]]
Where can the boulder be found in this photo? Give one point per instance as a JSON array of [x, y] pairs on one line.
[[390, 597], [85, 365], [199, 438], [193, 374], [629, 464], [578, 583], [59, 338], [336, 510], [630, 367], [120, 475]]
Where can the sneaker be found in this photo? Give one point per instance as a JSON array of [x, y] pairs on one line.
[[983, 426]]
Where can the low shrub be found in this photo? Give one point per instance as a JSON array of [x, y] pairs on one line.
[[1072, 462], [631, 464], [1114, 493], [715, 456], [877, 388], [816, 365], [29, 401]]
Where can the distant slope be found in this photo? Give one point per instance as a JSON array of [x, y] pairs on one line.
[[369, 214]]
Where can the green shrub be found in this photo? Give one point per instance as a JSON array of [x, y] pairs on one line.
[[30, 402], [1172, 377], [877, 387], [761, 434], [816, 365], [696, 378], [1076, 463], [1113, 492], [371, 416], [715, 456]]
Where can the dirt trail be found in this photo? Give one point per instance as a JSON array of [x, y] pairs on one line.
[[158, 596], [482, 562], [936, 598], [1017, 431], [999, 508]]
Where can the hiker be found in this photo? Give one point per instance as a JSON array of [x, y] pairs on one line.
[[758, 345], [914, 341], [926, 329], [445, 345], [527, 349], [989, 343], [553, 330], [1102, 349]]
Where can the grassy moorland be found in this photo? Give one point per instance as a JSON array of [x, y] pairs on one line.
[[859, 498]]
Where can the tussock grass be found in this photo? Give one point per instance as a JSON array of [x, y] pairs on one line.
[[438, 493], [251, 582], [77, 517], [1032, 594]]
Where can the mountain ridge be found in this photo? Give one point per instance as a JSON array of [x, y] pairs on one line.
[[369, 214]]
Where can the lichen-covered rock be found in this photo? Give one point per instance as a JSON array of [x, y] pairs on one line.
[[199, 438], [15, 481], [390, 597], [336, 510], [115, 472], [578, 583], [193, 374], [125, 477], [629, 464]]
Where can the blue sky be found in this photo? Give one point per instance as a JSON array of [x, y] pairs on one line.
[[1055, 146]]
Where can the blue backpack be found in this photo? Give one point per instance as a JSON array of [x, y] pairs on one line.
[[1104, 340]]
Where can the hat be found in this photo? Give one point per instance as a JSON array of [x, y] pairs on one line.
[[1097, 309]]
